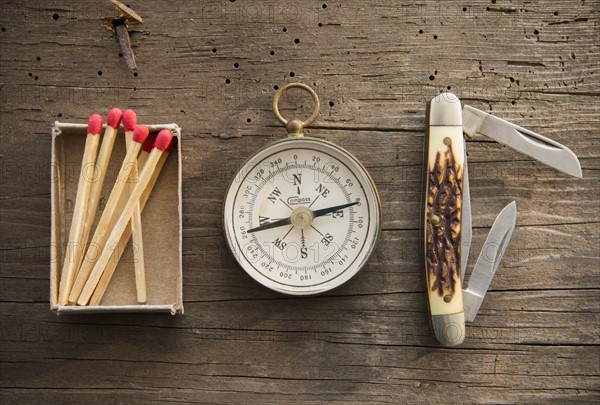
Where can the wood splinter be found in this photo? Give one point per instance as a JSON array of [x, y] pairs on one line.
[[120, 26]]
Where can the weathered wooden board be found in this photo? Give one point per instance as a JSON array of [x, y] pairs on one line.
[[213, 67]]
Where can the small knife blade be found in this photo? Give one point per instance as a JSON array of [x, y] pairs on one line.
[[523, 140], [489, 259]]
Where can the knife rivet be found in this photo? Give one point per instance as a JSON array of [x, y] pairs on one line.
[[447, 141], [435, 220], [447, 298]]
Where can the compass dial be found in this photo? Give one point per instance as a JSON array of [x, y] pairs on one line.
[[302, 216]]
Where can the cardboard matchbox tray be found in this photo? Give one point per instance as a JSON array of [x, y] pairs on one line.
[[161, 226]]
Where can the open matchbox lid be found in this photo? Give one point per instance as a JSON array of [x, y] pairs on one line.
[[161, 226]]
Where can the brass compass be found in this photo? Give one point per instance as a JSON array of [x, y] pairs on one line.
[[302, 215]]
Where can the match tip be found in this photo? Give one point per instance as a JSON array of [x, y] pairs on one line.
[[114, 118], [149, 144], [163, 139], [140, 133], [129, 120], [95, 124]]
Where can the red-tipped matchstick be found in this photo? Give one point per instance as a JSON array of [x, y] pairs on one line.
[[129, 120], [136, 219], [109, 215], [162, 142], [80, 210], [112, 264], [106, 147]]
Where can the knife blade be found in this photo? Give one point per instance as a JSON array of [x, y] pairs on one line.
[[443, 218], [489, 259], [447, 233], [525, 141]]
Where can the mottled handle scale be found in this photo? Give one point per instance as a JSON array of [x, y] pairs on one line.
[[443, 218]]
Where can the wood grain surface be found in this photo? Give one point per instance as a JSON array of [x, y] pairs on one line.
[[212, 67]]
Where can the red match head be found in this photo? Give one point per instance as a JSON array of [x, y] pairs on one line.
[[140, 133], [114, 118], [149, 144], [129, 120], [95, 124], [163, 139]]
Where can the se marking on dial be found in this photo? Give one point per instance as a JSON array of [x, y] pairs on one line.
[[302, 216]]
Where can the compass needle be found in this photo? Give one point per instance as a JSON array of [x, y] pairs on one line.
[[325, 211], [270, 223], [275, 224]]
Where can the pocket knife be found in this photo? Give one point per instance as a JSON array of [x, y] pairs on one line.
[[447, 210]]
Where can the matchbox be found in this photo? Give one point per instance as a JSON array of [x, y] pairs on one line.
[[160, 218]]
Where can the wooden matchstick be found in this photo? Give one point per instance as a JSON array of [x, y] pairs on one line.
[[112, 264], [80, 210], [130, 122], [106, 147], [109, 215], [162, 142]]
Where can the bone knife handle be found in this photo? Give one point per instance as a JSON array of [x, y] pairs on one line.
[[443, 218]]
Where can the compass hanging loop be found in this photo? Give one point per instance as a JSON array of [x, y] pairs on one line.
[[295, 127]]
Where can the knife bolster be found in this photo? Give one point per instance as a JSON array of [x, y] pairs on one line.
[[449, 329]]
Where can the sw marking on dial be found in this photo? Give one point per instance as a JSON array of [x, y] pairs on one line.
[[302, 216]]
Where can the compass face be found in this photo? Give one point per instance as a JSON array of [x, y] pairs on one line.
[[302, 216]]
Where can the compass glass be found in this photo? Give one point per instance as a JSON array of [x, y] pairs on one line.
[[302, 216]]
